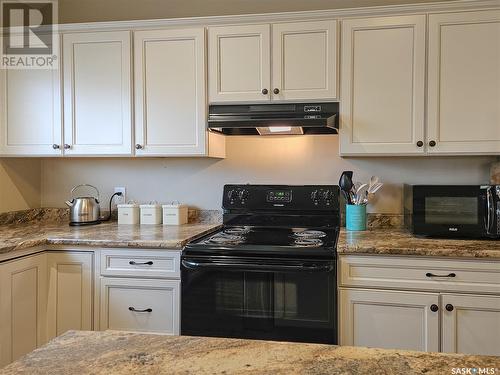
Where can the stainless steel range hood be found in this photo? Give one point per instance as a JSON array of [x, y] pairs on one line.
[[274, 119]]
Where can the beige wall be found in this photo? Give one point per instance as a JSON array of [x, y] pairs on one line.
[[284, 160], [20, 184], [119, 10]]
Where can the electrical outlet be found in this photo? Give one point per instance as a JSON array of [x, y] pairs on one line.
[[123, 198]]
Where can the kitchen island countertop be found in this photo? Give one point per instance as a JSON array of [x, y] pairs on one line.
[[112, 352]]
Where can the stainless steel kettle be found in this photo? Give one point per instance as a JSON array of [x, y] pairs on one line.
[[84, 210]]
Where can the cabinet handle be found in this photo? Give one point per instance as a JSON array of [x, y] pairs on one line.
[[56, 147], [420, 144], [449, 307], [432, 143], [434, 307], [140, 311], [276, 91], [66, 146], [132, 263], [138, 147], [265, 91], [428, 274]]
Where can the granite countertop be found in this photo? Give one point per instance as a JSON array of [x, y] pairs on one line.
[[112, 352], [23, 236], [401, 242]]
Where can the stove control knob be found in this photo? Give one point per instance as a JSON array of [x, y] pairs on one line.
[[315, 196], [243, 194], [327, 195], [231, 194]]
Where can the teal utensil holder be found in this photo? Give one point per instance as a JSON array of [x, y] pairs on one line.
[[355, 217]]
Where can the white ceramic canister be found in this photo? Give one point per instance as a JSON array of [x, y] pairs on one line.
[[128, 213], [175, 214], [150, 214]]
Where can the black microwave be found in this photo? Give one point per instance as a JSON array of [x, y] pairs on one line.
[[457, 211]]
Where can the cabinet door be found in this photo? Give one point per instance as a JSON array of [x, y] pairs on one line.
[[170, 92], [97, 93], [70, 292], [304, 60], [140, 305], [389, 319], [239, 63], [464, 83], [30, 120], [382, 86], [473, 324], [22, 307]]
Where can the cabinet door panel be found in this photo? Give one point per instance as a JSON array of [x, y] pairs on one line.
[[70, 292], [22, 307], [390, 320], [383, 80], [239, 63], [464, 82], [473, 326], [170, 92], [97, 93], [305, 60], [30, 122]]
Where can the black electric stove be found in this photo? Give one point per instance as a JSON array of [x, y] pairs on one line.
[[270, 271]]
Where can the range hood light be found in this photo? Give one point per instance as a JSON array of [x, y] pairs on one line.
[[280, 129]]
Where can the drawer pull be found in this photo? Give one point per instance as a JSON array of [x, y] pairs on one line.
[[140, 311], [428, 274], [132, 263]]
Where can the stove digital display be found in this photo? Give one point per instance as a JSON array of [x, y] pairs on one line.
[[279, 196]]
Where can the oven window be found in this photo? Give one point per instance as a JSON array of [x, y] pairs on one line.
[[451, 210]]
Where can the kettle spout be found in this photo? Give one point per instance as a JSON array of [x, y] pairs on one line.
[[69, 203]]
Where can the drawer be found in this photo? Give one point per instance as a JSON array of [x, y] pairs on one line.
[[373, 271], [141, 263], [140, 305]]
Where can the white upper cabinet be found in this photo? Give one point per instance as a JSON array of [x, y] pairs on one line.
[[239, 63], [464, 83], [170, 99], [30, 118], [382, 85], [304, 56], [97, 93]]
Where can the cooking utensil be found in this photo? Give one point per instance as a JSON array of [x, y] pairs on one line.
[[346, 185], [373, 189], [361, 193], [84, 210], [374, 180]]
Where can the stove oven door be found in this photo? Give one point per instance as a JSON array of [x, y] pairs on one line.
[[265, 299]]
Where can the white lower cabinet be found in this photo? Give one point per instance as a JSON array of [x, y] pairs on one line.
[[22, 306], [389, 319], [470, 324], [70, 293], [418, 303], [144, 305]]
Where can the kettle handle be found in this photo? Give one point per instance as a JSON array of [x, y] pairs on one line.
[[81, 185]]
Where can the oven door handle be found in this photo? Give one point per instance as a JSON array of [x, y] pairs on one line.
[[305, 267], [490, 208]]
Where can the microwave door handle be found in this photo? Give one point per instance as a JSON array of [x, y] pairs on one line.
[[490, 207], [257, 267]]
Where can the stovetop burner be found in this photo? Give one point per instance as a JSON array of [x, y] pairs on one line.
[[308, 242], [310, 234]]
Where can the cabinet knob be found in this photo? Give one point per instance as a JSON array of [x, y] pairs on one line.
[[434, 307], [449, 307], [56, 147], [432, 143], [276, 91], [265, 91], [420, 143], [138, 147], [66, 146]]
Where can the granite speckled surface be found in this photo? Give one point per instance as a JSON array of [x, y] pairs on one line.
[[401, 242], [22, 236], [111, 353]]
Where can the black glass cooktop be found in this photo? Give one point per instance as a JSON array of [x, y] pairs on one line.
[[266, 241]]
